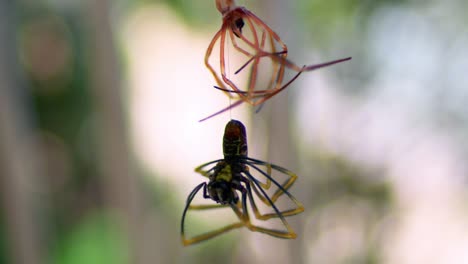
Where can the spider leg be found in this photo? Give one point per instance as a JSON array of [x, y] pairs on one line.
[[206, 206], [229, 91], [303, 69], [207, 235], [256, 97], [253, 20], [274, 38], [274, 92], [254, 45], [238, 102], [266, 94], [282, 189], [265, 54], [258, 46], [223, 63], [277, 68], [306, 68], [262, 42], [187, 204], [286, 184], [236, 45], [209, 50], [289, 64], [227, 28], [278, 71], [278, 57], [256, 94], [262, 24], [282, 60], [206, 173], [263, 96], [288, 234], [220, 36], [211, 234]]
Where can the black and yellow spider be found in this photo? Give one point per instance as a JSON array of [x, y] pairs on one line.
[[231, 183]]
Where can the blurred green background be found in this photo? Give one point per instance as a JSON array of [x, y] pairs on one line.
[[99, 132]]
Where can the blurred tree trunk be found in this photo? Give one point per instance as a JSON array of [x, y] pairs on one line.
[[278, 14], [120, 183], [19, 172]]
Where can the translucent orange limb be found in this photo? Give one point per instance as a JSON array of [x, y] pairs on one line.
[[252, 22], [252, 95], [221, 37], [220, 80], [236, 103], [223, 67], [254, 45], [226, 25], [273, 37], [207, 57], [304, 69], [277, 56], [267, 28], [266, 94], [262, 99], [221, 34], [270, 93], [278, 69], [251, 16], [280, 57]]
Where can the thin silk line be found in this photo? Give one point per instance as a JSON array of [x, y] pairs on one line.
[[228, 70]]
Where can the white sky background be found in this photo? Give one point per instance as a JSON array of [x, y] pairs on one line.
[[170, 90]]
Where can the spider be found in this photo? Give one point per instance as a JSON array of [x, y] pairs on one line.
[[231, 184], [257, 42]]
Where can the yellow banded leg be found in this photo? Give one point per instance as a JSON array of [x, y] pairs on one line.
[[289, 212], [244, 217], [286, 185], [206, 173], [211, 234]]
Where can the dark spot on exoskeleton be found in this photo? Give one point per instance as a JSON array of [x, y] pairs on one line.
[[239, 23]]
